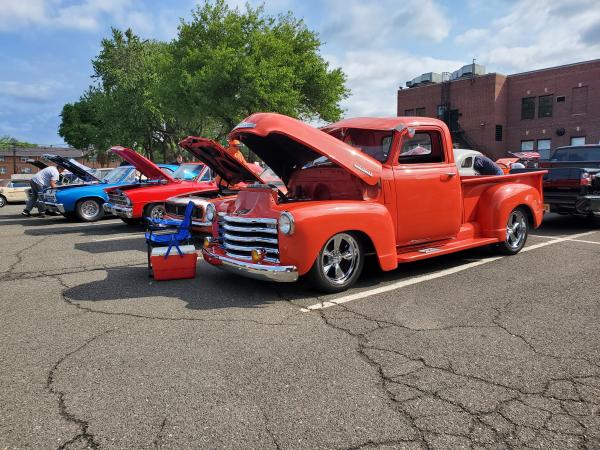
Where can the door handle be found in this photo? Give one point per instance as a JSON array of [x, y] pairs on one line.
[[447, 176]]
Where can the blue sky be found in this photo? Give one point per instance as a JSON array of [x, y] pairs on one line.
[[46, 45]]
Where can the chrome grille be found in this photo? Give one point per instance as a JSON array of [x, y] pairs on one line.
[[49, 197], [117, 198], [240, 235]]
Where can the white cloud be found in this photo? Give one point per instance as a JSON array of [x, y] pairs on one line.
[[389, 23], [84, 15], [534, 34], [39, 92], [374, 78]]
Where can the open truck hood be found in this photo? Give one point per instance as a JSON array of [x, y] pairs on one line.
[[216, 157], [144, 165], [286, 144], [75, 168], [39, 164]]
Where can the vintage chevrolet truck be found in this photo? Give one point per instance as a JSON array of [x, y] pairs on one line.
[[364, 186], [134, 202]]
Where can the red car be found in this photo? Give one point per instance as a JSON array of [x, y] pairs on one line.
[[133, 202]]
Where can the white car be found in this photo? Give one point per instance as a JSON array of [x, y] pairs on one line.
[[464, 159]]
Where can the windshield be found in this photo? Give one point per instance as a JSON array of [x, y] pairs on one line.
[[375, 143], [577, 154], [188, 171], [123, 173]]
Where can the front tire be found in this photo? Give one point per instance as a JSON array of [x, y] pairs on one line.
[[339, 263], [517, 230], [2, 201], [89, 210], [155, 211]]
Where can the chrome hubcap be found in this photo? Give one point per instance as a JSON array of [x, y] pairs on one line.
[[340, 258], [2, 201], [89, 209], [158, 212], [516, 229]]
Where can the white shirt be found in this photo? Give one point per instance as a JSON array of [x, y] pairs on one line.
[[44, 176]]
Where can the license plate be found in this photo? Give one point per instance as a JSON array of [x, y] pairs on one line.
[[546, 207]]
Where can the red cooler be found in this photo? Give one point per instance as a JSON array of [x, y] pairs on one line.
[[174, 266]]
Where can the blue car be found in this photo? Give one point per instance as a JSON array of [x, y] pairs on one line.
[[85, 201]]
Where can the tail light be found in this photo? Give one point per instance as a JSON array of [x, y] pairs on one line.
[[585, 180]]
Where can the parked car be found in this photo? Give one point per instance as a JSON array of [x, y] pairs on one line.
[[234, 174], [14, 190], [393, 203], [134, 202], [572, 182], [464, 159], [85, 201]]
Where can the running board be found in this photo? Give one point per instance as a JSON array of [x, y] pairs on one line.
[[435, 250]]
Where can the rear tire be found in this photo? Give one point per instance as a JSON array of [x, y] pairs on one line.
[[339, 263], [2, 201], [517, 230], [89, 210]]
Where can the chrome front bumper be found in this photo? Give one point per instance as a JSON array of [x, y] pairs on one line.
[[118, 210], [54, 207], [264, 272]]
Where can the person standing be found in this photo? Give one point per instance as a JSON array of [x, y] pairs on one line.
[[45, 178]]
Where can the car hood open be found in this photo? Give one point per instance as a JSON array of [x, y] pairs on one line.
[[75, 168], [286, 144], [144, 165], [216, 157]]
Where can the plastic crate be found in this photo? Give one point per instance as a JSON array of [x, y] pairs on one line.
[[174, 266]]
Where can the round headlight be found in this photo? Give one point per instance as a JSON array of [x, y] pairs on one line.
[[210, 212], [286, 223]]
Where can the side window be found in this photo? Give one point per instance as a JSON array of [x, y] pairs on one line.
[[468, 162], [424, 147]]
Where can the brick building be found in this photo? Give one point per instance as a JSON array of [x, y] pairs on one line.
[[15, 160], [494, 113]]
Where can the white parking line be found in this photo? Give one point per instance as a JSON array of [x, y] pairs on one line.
[[116, 238], [432, 276]]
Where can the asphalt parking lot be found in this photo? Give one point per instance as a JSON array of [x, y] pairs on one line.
[[464, 351]]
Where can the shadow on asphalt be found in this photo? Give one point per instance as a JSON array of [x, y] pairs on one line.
[[86, 230], [555, 224]]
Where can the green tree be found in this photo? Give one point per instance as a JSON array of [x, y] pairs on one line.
[[7, 142], [227, 64]]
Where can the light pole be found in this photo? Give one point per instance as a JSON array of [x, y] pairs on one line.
[[14, 152]]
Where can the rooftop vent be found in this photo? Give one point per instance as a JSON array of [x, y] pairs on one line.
[[468, 70], [426, 78]]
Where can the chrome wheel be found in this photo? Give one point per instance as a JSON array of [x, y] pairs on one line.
[[89, 209], [340, 258], [2, 201], [516, 229], [157, 212]]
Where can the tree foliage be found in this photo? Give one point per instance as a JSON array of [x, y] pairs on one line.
[[8, 142], [224, 65]]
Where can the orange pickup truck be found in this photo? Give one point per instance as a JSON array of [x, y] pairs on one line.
[[366, 186]]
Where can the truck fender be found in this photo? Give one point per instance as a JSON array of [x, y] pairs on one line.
[[316, 223], [499, 200]]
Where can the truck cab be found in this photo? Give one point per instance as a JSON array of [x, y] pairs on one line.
[[388, 187]]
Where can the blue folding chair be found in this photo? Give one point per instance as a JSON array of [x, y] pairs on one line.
[[163, 234]]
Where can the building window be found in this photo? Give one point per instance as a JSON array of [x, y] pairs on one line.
[[498, 133], [545, 105], [543, 148], [441, 111], [580, 100], [2, 170], [409, 112], [527, 146], [25, 169], [420, 112], [578, 140], [527, 108], [24, 158], [1, 158], [560, 99]]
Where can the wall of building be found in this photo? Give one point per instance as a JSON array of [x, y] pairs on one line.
[[495, 99]]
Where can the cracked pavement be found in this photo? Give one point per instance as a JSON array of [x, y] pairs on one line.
[[97, 355]]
